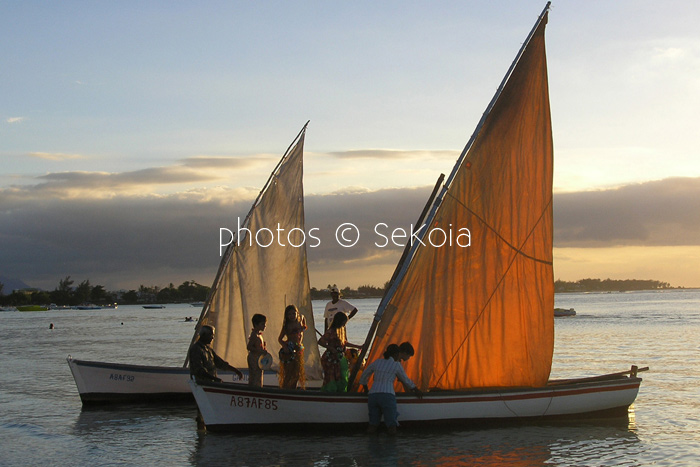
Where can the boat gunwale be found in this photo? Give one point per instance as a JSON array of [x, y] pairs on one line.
[[129, 366], [571, 387], [143, 368]]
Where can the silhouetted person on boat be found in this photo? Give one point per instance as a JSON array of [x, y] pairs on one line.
[[291, 370], [203, 359], [257, 348], [336, 305], [334, 362]]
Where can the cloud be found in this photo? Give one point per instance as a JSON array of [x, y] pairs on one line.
[[80, 184], [394, 154], [669, 53], [12, 120], [198, 171], [150, 176], [125, 241], [658, 213], [223, 162], [55, 156]]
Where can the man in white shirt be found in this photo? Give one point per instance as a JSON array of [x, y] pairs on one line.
[[334, 306]]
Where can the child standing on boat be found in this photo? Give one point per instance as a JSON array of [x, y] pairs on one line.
[[256, 349]]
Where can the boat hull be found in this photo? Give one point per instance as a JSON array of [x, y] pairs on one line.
[[110, 383], [227, 407], [559, 312], [32, 308]]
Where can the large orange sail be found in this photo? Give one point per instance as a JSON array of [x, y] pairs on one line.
[[482, 315]]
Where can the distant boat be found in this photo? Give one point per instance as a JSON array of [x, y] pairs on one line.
[[88, 306], [32, 308], [153, 307], [558, 312]]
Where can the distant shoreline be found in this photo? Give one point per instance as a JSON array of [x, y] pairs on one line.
[[670, 289]]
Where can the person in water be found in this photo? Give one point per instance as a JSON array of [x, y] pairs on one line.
[[333, 360], [256, 349], [291, 371], [203, 359], [382, 398]]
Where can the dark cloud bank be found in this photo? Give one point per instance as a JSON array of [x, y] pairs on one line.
[[124, 242]]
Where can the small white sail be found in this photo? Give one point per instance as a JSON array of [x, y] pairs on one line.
[[266, 270]]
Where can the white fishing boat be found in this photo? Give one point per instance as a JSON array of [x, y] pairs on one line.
[[251, 279], [479, 312], [234, 407], [104, 382]]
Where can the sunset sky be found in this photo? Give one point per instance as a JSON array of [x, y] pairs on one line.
[[130, 132]]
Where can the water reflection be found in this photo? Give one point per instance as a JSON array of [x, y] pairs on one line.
[[599, 443], [103, 421], [136, 435]]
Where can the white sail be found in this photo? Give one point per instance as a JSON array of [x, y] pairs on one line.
[[250, 279], [266, 270]]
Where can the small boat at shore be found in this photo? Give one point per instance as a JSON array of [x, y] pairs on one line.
[[101, 383], [32, 308], [153, 307], [560, 312]]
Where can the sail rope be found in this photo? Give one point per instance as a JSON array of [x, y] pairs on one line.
[[493, 292], [488, 226]]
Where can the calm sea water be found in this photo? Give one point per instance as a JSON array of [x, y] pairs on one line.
[[42, 421]]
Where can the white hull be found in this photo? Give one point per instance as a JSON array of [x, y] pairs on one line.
[[103, 382], [237, 407]]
